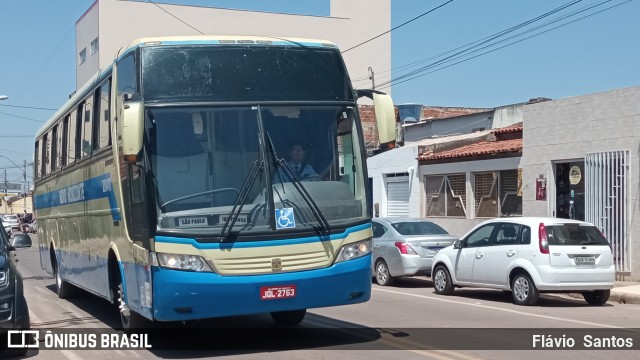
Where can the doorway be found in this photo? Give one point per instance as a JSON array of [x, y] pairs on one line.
[[570, 181]]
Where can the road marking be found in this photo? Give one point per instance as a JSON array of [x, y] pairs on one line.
[[403, 344], [34, 318], [448, 300], [69, 355]]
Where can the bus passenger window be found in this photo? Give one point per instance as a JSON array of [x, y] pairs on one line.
[[87, 134]]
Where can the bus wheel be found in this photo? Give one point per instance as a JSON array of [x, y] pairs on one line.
[[129, 319], [63, 288], [288, 318]]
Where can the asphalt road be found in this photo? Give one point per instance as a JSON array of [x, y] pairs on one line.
[[407, 321]]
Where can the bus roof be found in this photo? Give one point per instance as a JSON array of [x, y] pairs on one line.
[[228, 39], [186, 40]]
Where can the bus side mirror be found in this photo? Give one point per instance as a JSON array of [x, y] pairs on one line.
[[385, 117], [385, 120], [132, 130]]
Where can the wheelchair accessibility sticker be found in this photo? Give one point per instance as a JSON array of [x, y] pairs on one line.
[[285, 218]]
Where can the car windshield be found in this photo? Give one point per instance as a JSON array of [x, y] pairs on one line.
[[418, 228], [574, 234]]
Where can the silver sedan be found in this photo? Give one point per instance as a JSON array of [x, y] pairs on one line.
[[405, 247]]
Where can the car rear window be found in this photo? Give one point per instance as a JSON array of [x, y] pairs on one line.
[[574, 234], [418, 228]]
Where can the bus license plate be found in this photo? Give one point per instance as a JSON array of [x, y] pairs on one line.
[[277, 292]]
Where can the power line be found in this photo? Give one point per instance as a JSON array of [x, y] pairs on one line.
[[486, 40], [483, 40], [28, 107], [22, 117], [177, 18], [467, 51], [399, 26], [515, 42]]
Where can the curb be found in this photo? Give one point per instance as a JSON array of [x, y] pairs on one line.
[[622, 297], [617, 296]]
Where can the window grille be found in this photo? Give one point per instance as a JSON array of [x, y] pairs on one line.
[[446, 195]]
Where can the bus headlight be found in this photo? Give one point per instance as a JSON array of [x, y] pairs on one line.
[[183, 262], [354, 251]]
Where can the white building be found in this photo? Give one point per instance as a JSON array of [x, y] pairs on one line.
[[574, 158], [111, 24], [586, 150]]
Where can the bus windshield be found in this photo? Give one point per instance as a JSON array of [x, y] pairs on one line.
[[201, 156], [225, 73]]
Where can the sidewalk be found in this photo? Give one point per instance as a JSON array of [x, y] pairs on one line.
[[626, 292]]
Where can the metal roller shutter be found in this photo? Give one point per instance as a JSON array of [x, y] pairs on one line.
[[398, 195]]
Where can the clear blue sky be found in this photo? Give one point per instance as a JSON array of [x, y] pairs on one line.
[[598, 53]]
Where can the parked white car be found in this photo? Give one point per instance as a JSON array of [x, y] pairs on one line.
[[7, 227], [12, 220], [527, 256]]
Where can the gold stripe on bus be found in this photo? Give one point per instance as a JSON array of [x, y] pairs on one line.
[[258, 260]]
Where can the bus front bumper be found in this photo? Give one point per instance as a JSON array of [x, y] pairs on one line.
[[182, 295]]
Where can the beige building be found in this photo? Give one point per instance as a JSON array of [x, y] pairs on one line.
[[111, 24]]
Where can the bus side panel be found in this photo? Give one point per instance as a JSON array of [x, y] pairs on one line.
[[138, 282], [101, 217], [43, 238]]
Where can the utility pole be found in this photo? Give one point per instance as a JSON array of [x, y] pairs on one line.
[[372, 77], [24, 186], [6, 189]]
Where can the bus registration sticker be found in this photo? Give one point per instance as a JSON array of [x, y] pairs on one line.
[[277, 292]]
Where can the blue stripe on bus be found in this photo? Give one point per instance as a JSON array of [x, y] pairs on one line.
[[92, 189], [259, 243]]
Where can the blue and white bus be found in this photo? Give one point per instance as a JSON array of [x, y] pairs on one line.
[[156, 182]]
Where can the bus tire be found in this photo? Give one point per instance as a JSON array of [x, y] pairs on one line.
[[129, 319], [288, 318], [63, 288]]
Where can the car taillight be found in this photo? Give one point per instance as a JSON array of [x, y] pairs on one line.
[[405, 248], [542, 239]]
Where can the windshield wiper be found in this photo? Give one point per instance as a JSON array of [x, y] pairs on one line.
[[202, 193], [315, 210], [256, 170]]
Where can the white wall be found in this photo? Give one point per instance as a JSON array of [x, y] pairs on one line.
[[390, 162], [351, 22], [86, 31], [567, 129], [507, 115]]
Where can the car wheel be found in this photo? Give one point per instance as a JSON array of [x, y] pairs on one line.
[[289, 318], [524, 291], [597, 297], [383, 276], [442, 281]]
